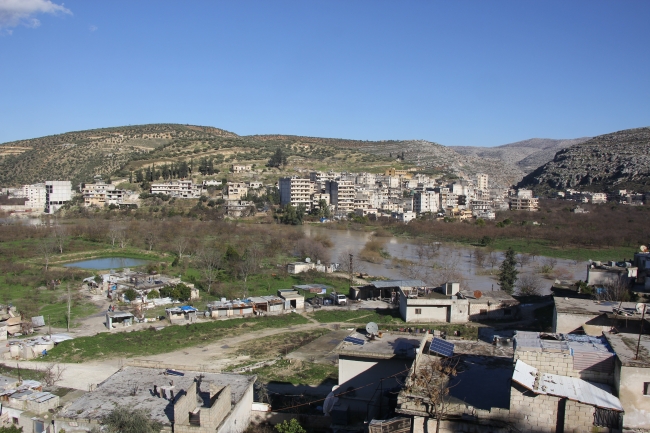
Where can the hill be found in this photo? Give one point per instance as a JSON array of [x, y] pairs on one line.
[[81, 155], [609, 162], [527, 155]]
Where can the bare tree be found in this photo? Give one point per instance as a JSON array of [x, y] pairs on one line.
[[493, 259], [210, 261], [523, 260], [180, 245], [344, 259], [429, 383], [529, 285], [151, 238], [46, 249], [60, 234], [479, 257], [617, 290], [550, 263], [249, 263], [313, 249], [52, 373], [114, 233]]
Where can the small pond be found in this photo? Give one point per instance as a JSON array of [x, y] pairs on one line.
[[107, 263]]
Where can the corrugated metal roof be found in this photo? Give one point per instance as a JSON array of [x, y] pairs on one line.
[[572, 388], [398, 283]]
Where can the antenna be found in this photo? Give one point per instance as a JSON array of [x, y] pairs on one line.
[[372, 329]]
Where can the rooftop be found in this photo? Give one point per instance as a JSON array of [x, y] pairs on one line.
[[625, 347], [398, 283], [589, 307], [387, 347], [133, 387]]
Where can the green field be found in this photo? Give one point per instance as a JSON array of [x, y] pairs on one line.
[[298, 373], [168, 339]]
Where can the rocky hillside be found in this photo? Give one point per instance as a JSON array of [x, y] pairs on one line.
[[609, 162], [527, 155], [114, 152]]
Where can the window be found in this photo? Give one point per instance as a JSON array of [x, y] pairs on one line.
[[646, 388], [418, 311], [483, 312]]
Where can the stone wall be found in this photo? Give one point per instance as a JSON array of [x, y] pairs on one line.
[[561, 363]]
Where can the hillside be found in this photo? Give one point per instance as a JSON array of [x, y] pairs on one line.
[[79, 156], [620, 160], [527, 155]]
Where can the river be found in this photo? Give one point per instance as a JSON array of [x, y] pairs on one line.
[[450, 259]]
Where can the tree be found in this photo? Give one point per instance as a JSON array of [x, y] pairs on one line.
[[210, 263], [46, 249], [529, 285], [11, 429], [124, 419], [278, 159], [291, 426], [60, 234], [523, 260], [508, 271], [430, 383], [130, 294], [249, 263], [180, 245]]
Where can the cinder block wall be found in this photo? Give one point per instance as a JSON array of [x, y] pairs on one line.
[[561, 363], [221, 402], [184, 405]]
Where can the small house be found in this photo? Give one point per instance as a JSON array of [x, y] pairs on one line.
[[115, 318], [292, 299], [181, 314]]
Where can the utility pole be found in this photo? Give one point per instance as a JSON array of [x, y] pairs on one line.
[[68, 307], [351, 269], [49, 324]]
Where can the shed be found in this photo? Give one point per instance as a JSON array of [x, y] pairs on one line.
[[292, 300], [185, 313], [114, 317]]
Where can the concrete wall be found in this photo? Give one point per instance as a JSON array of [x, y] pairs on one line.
[[565, 323], [434, 310], [562, 365], [240, 415], [630, 392], [184, 405]]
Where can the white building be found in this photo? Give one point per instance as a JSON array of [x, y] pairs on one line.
[[57, 193], [177, 188], [482, 181], [295, 191], [35, 196], [426, 201]]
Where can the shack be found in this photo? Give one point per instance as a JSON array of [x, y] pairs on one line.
[[118, 317], [387, 290], [181, 314], [267, 304], [292, 299], [224, 308]]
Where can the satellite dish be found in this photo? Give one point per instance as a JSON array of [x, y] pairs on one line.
[[643, 249], [478, 294], [307, 260], [640, 307], [372, 328]]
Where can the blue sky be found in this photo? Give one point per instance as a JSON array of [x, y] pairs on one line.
[[476, 73]]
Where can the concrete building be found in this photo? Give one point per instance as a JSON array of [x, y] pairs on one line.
[[25, 405], [295, 191], [183, 402], [371, 366], [241, 168], [610, 273], [35, 196], [235, 191], [594, 317], [342, 195], [632, 378], [524, 200], [426, 201], [57, 194], [177, 189], [482, 181], [101, 194]]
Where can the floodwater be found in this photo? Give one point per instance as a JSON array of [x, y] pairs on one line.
[[449, 258], [107, 263]]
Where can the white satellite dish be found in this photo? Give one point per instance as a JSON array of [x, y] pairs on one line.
[[640, 307], [307, 260], [643, 249], [372, 328]]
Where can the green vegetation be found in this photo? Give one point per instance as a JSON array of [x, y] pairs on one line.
[[291, 426], [508, 271], [168, 339], [298, 372], [124, 419]]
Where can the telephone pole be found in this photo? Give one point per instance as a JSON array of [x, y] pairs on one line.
[[351, 269], [68, 307]]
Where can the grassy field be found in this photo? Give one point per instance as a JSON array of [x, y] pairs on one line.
[[545, 248], [56, 314], [168, 339], [298, 372]]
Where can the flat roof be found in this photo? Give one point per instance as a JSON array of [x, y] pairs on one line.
[[118, 390], [118, 314], [625, 347], [387, 347], [398, 283], [588, 306]]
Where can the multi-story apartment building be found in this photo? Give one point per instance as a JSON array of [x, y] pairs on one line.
[[524, 200], [35, 196], [57, 193], [235, 191], [342, 194], [177, 188], [482, 181], [100, 194], [295, 191], [426, 201]]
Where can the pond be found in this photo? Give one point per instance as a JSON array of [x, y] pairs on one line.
[[107, 263]]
